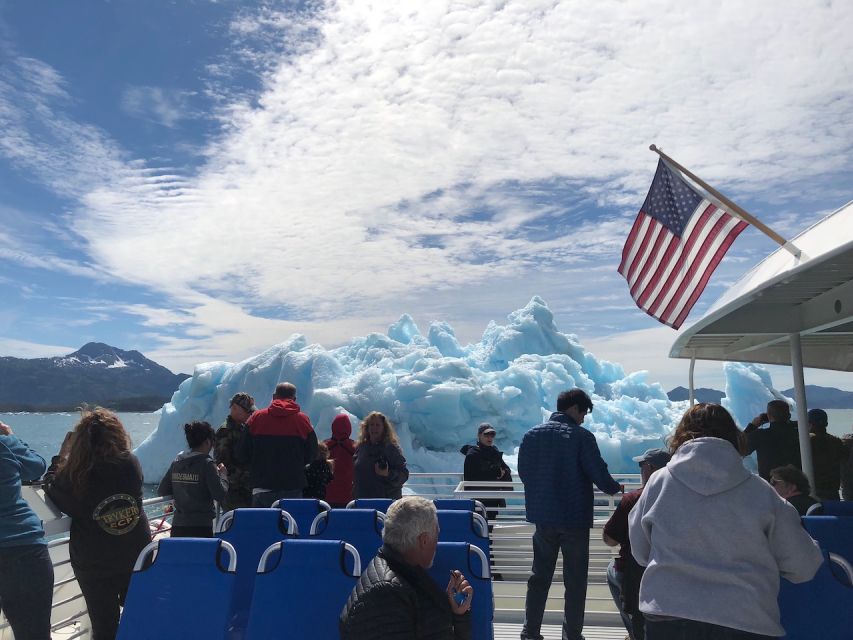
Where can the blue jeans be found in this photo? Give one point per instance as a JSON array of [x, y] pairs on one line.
[[266, 498], [692, 630], [574, 545], [26, 590]]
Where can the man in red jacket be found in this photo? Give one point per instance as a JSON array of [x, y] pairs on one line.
[[278, 444]]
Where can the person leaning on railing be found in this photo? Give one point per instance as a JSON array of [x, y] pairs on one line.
[[26, 572]]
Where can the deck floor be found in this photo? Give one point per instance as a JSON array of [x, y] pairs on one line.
[[507, 631]]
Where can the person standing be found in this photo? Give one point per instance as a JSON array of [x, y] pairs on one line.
[[195, 481], [379, 466], [99, 485], [227, 439], [623, 572], [341, 453], [778, 444], [319, 474], [26, 572], [828, 454], [278, 443], [847, 467], [484, 461], [715, 539], [559, 461]]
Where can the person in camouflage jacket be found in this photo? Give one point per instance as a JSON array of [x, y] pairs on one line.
[[227, 438]]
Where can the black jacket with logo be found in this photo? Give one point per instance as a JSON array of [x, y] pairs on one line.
[[194, 482], [108, 526]]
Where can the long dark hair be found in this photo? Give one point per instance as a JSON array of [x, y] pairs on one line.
[[98, 436], [706, 420]]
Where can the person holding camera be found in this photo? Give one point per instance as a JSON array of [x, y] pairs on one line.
[[484, 461], [379, 466], [778, 444]]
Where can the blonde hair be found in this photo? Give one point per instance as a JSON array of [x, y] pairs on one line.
[[388, 433]]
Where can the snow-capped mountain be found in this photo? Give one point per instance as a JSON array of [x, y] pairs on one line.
[[96, 373]]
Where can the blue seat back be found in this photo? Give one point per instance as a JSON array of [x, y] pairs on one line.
[[460, 504], [834, 533], [837, 508], [463, 526], [820, 608], [380, 504], [464, 557], [187, 575], [306, 579], [303, 510], [250, 532], [362, 528]]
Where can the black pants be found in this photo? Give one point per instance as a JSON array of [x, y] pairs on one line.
[[26, 590], [680, 629], [192, 532], [104, 595]]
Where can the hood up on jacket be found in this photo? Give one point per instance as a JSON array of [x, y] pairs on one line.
[[283, 407], [708, 466], [341, 427]]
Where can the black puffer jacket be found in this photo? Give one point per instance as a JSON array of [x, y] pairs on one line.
[[486, 463], [397, 601]]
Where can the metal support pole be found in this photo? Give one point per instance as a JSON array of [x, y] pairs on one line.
[[802, 409], [690, 378]]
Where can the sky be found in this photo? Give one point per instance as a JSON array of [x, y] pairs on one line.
[[198, 180]]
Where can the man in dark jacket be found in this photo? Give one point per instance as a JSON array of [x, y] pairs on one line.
[[484, 461], [828, 454], [395, 598], [778, 444], [559, 461], [228, 438], [278, 443]]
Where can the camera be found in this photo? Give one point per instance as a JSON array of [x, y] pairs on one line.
[[382, 462]]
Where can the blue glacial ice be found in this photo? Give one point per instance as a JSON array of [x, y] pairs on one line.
[[437, 391]]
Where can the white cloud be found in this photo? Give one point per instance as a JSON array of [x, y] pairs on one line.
[[351, 186], [156, 104], [23, 349]]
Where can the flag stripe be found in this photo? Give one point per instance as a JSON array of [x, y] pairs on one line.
[[630, 249], [651, 228], [652, 257]]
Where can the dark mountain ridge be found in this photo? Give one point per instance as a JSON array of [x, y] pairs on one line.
[[95, 374], [816, 396]]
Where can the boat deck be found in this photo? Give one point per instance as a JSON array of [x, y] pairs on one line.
[[552, 632]]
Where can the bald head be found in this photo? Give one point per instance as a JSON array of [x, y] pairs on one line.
[[284, 391]]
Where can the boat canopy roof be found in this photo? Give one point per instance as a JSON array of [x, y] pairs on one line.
[[783, 295]]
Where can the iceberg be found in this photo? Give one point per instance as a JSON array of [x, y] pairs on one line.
[[434, 390]]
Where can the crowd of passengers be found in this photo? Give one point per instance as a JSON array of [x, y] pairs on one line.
[[699, 519]]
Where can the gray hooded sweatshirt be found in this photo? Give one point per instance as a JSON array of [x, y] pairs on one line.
[[193, 481], [714, 539]]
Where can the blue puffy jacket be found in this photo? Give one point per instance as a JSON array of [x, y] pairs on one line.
[[558, 461]]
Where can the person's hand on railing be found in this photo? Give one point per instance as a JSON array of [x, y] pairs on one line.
[[459, 593]]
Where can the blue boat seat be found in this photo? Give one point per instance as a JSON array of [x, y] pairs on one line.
[[362, 528], [833, 533], [464, 526], [461, 504], [251, 532], [186, 576], [474, 565], [304, 510], [820, 608], [301, 588], [380, 504]]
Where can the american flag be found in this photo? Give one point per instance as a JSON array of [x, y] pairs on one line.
[[677, 241]]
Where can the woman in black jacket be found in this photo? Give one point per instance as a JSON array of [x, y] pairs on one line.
[[484, 461], [379, 466], [99, 485]]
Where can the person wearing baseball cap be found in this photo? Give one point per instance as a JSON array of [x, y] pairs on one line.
[[484, 461], [241, 407], [623, 572], [828, 453]]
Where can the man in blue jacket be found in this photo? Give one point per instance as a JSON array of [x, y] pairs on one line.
[[559, 461]]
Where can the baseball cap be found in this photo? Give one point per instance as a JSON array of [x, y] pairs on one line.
[[658, 458], [485, 428], [244, 401]]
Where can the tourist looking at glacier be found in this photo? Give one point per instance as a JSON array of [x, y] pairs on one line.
[[559, 461], [828, 454], [195, 481], [228, 436], [379, 466], [26, 573], [99, 486], [341, 453], [277, 445], [776, 445], [715, 538]]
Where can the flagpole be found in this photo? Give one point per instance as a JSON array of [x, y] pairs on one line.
[[724, 203]]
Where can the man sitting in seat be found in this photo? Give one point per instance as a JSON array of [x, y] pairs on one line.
[[395, 598]]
